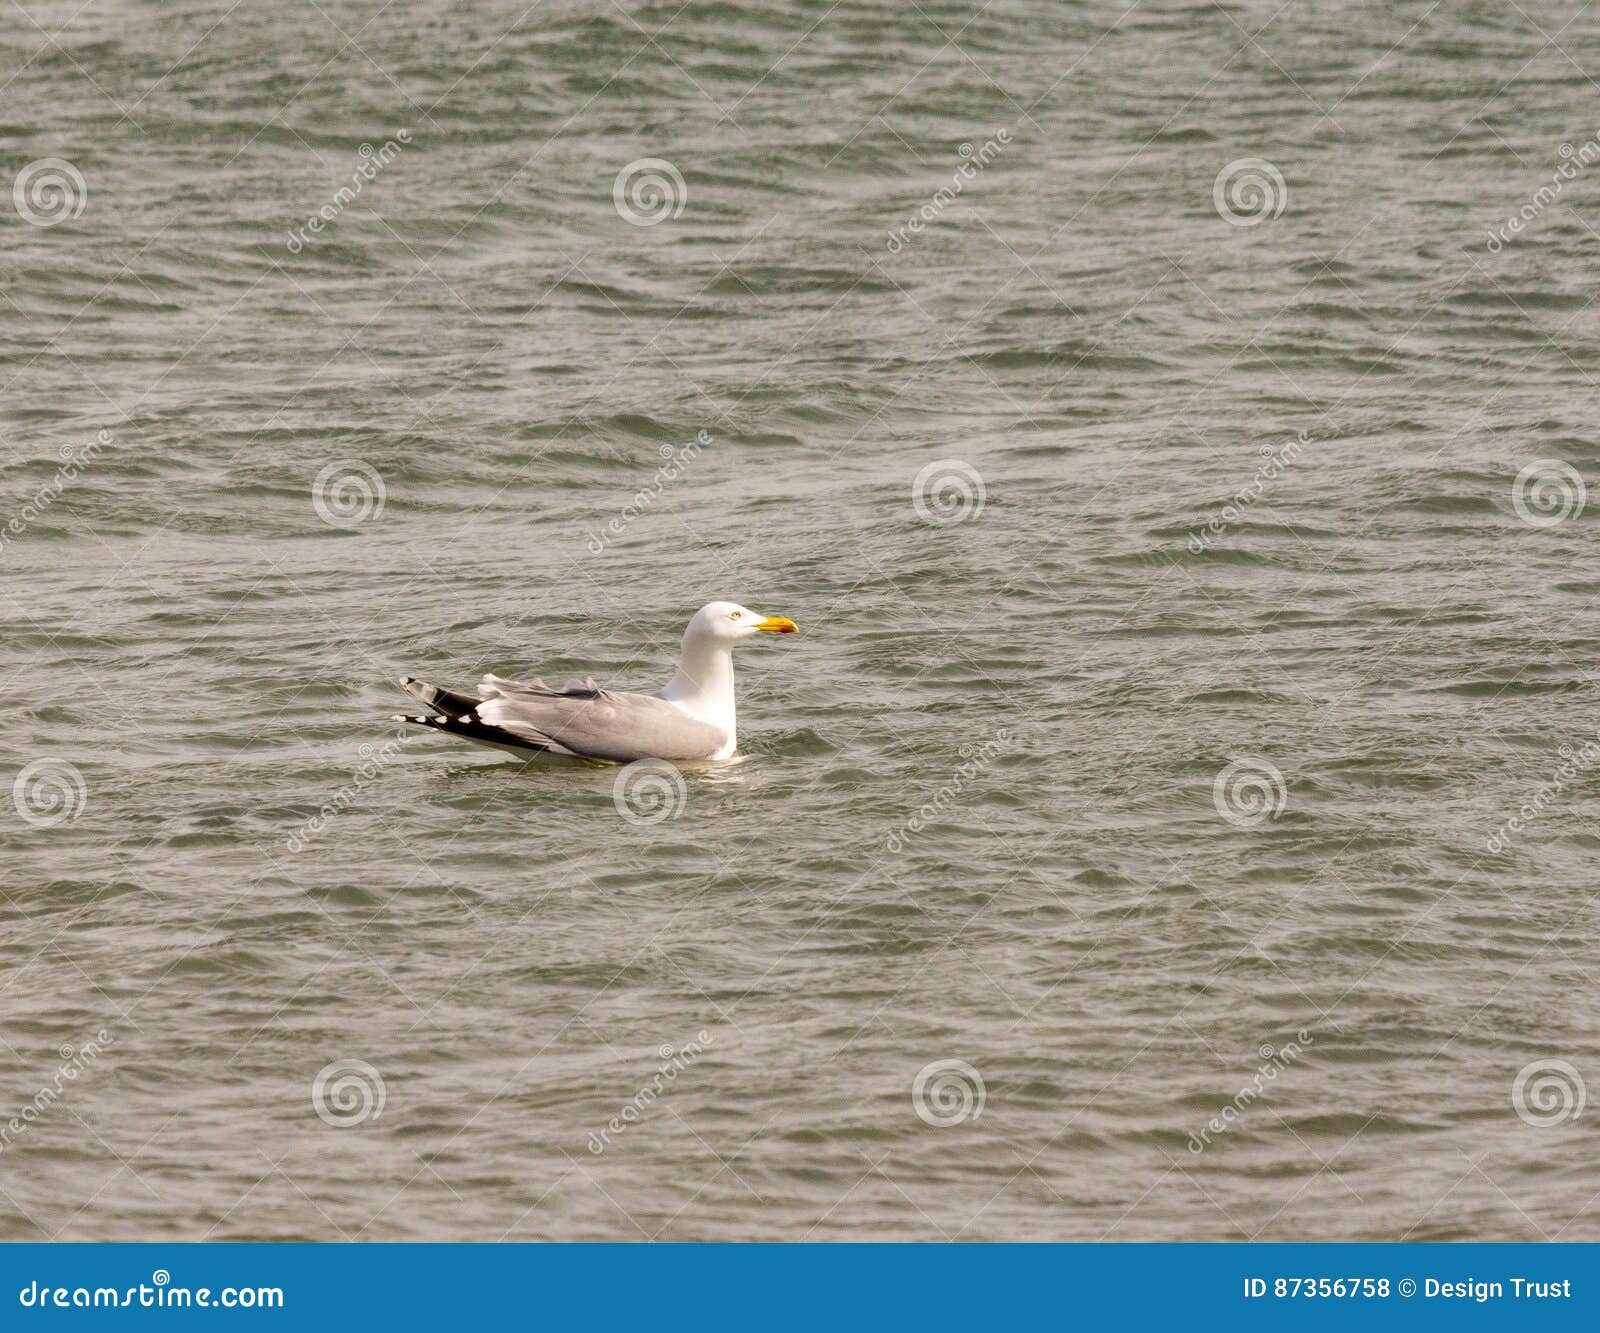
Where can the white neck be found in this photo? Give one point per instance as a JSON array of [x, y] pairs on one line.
[[703, 685]]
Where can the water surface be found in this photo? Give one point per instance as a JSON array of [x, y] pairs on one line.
[[1207, 488]]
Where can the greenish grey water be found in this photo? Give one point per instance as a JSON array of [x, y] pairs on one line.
[[1391, 634]]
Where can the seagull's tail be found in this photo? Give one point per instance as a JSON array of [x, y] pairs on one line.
[[447, 702], [458, 716]]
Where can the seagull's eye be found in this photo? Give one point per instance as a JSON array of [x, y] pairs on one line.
[[733, 615]]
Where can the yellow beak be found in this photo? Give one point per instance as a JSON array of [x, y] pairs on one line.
[[778, 625]]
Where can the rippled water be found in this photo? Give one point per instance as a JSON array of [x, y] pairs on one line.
[[1174, 462]]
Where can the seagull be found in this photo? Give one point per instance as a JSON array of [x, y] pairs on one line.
[[690, 719]]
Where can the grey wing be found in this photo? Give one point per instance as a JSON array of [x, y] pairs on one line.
[[599, 724]]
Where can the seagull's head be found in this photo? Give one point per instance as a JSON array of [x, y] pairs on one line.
[[729, 623]]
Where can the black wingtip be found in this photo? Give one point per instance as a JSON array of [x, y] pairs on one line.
[[446, 701], [469, 727]]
